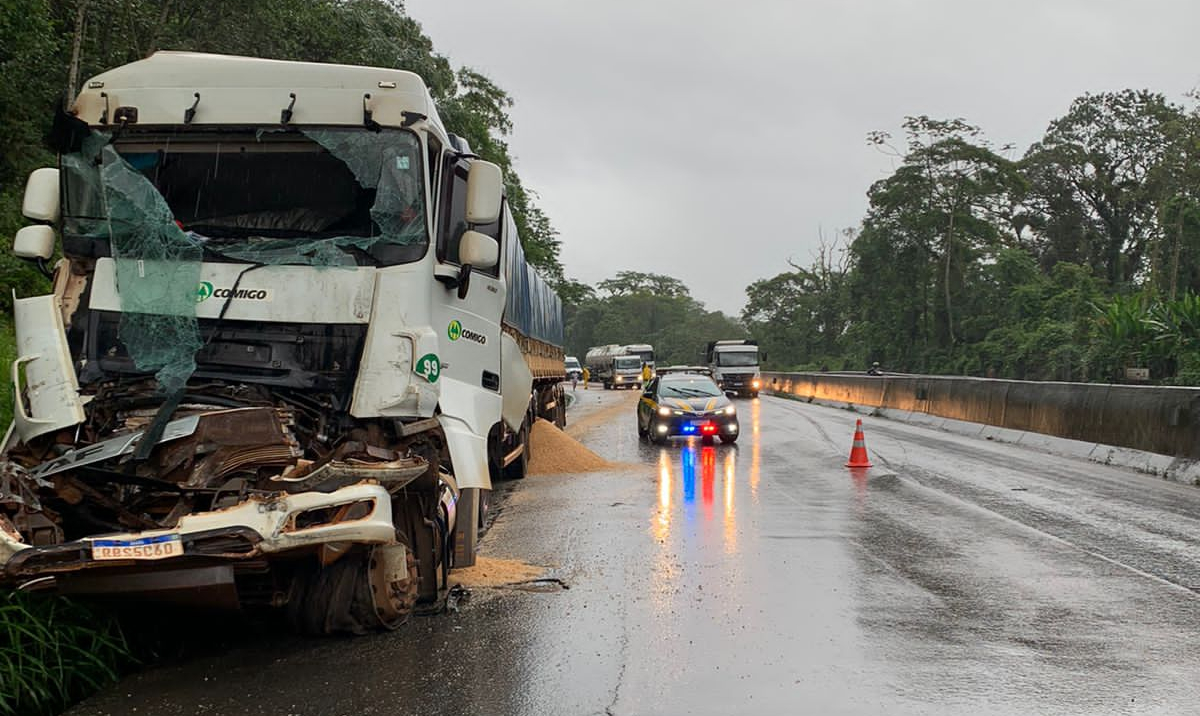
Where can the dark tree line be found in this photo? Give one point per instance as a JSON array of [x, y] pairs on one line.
[[1073, 261]]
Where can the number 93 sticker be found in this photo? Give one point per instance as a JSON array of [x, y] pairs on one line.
[[428, 367]]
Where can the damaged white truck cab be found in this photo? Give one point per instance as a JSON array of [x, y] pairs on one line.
[[291, 340]]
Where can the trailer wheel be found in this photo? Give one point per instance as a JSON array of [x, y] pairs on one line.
[[369, 590], [517, 469]]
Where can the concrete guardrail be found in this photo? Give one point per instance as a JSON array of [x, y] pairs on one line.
[[1163, 420]]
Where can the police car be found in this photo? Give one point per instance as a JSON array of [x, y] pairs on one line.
[[686, 405]]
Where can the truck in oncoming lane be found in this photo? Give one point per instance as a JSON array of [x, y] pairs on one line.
[[291, 341], [735, 366], [613, 367]]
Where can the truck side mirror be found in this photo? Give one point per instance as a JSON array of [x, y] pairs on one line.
[[41, 196], [485, 188], [34, 242], [475, 250], [479, 250]]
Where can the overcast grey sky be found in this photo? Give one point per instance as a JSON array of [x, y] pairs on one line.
[[711, 141]]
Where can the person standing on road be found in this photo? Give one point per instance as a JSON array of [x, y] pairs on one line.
[[646, 373], [586, 374]]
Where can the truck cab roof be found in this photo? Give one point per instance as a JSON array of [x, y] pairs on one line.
[[233, 90]]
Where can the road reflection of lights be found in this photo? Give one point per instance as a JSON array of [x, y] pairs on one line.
[[708, 475], [687, 472], [663, 522], [755, 460], [730, 518], [688, 468]]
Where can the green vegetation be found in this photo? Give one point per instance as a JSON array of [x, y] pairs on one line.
[[635, 307], [1073, 262], [54, 651]]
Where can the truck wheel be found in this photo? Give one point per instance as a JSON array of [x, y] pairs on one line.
[[560, 408], [485, 509], [369, 590], [753, 394], [517, 469]]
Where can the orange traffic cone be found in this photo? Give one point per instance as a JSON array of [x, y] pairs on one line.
[[858, 452]]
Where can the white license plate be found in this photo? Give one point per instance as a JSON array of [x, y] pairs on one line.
[[143, 548]]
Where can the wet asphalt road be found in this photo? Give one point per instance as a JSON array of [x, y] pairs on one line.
[[955, 576]]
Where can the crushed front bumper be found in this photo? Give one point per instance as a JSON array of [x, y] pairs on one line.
[[257, 527]]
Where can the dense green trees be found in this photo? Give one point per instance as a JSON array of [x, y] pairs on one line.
[[635, 307], [1073, 262]]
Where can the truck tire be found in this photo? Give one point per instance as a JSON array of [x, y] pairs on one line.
[[360, 593], [560, 407], [517, 469]]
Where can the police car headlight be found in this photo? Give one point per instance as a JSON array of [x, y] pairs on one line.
[[730, 410], [664, 411]]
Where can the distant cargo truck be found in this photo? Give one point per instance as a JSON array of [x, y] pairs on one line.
[[735, 366], [611, 366]]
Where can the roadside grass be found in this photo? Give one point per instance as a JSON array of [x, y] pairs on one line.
[[8, 353], [53, 652]]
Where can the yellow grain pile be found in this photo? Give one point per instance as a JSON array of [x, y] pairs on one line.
[[495, 572], [555, 452]]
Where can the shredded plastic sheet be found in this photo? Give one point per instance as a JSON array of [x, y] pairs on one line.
[[158, 264]]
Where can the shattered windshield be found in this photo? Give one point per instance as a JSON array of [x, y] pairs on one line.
[[327, 197], [161, 204]]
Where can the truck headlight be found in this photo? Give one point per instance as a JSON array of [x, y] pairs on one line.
[[664, 411], [756, 383], [730, 410]]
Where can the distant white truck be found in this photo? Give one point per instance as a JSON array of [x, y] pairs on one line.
[[735, 366], [614, 368]]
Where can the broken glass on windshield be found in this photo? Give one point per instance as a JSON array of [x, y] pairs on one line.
[[322, 198]]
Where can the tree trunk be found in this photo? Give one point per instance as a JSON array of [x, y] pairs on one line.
[[76, 49], [1175, 252], [946, 279]]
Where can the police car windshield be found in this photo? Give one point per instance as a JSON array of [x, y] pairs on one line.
[[690, 387]]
